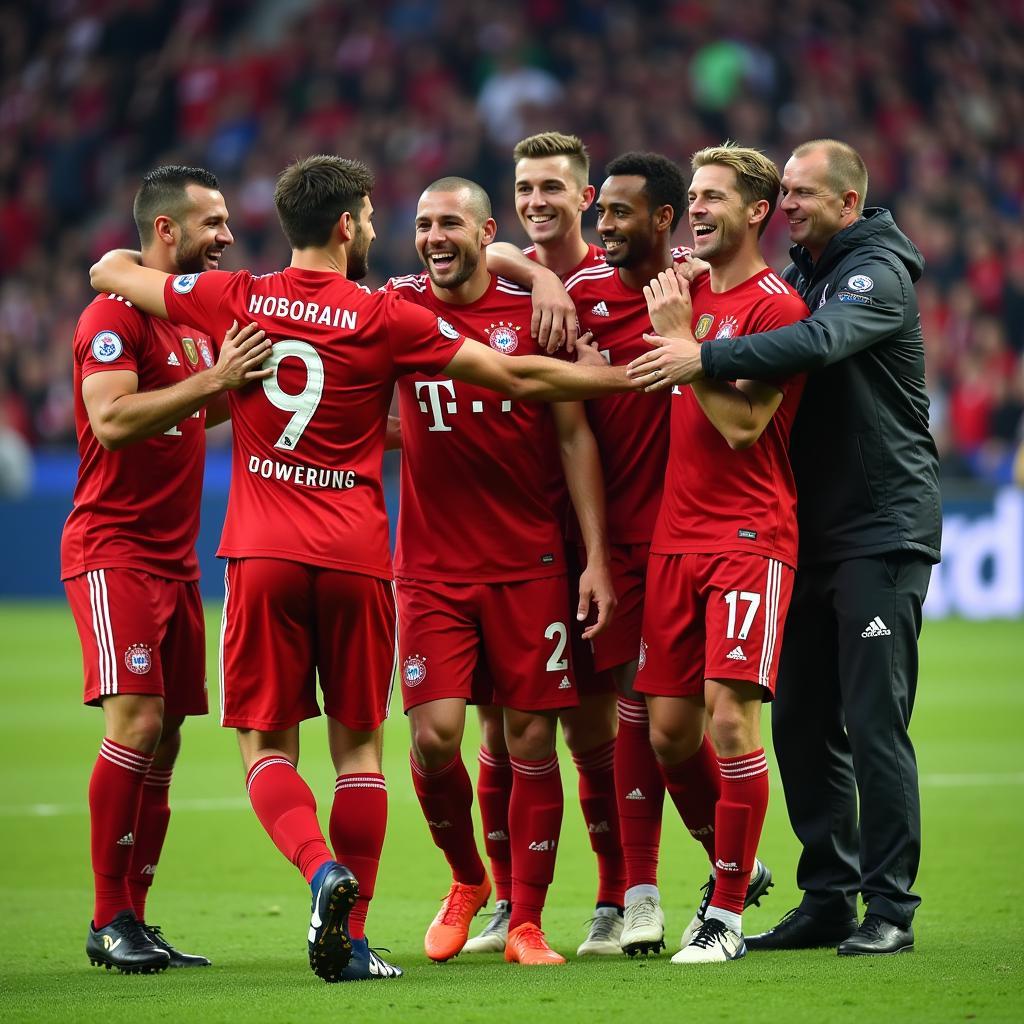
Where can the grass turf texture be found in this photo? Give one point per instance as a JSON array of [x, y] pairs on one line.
[[223, 889]]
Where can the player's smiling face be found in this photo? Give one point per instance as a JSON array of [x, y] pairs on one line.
[[450, 237], [625, 221], [549, 198], [204, 231], [718, 216]]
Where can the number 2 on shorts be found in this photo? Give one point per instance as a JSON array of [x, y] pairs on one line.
[[556, 663]]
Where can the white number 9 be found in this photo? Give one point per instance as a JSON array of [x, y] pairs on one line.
[[302, 405]]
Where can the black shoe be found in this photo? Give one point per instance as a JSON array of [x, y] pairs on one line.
[[878, 937], [759, 884], [798, 930], [126, 945], [178, 959], [367, 964], [330, 947]]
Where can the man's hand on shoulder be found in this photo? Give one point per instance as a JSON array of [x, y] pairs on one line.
[[241, 355], [554, 316], [669, 305]]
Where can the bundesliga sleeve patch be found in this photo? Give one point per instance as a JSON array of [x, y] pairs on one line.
[[107, 346], [860, 283], [446, 329], [184, 283]]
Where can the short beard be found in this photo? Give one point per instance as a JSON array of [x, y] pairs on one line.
[[188, 257], [358, 265]]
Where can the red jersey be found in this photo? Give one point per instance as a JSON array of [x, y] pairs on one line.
[[717, 499], [138, 507], [593, 258], [308, 442], [477, 468], [631, 429]]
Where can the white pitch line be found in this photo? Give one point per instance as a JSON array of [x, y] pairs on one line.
[[237, 803]]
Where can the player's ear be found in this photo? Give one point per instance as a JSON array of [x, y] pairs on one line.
[[760, 211], [588, 198], [489, 230], [165, 230], [346, 226], [663, 217]]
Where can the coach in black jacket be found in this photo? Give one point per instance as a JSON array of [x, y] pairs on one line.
[[866, 471]]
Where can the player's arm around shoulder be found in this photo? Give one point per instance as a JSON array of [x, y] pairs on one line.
[[536, 378], [120, 271]]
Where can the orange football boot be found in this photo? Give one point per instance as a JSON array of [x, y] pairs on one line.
[[527, 945], [448, 931]]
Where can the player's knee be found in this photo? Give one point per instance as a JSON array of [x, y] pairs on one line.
[[433, 745], [732, 733], [530, 737], [141, 731]]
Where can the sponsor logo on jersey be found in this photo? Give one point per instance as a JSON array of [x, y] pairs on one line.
[[191, 352], [601, 309], [107, 346], [503, 337], [565, 684], [414, 670], [173, 360], [446, 329], [860, 283], [643, 655], [727, 328], [703, 325], [138, 659], [736, 654], [184, 283], [204, 351]]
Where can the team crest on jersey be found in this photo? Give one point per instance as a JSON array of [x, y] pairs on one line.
[[191, 352], [700, 332], [728, 328], [503, 337], [107, 346], [184, 283], [204, 351], [138, 659], [414, 670], [643, 655]]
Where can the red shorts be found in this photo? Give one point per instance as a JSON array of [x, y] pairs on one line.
[[589, 681], [284, 624], [521, 629], [141, 634], [619, 644], [717, 616]]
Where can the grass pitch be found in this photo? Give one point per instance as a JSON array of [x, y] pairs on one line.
[[223, 889]]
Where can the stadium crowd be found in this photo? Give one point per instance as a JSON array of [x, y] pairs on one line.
[[94, 92]]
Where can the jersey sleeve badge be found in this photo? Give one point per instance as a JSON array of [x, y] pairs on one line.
[[446, 329], [704, 322], [184, 283], [107, 346], [191, 352]]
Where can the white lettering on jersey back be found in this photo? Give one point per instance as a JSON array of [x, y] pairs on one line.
[[304, 476], [303, 312]]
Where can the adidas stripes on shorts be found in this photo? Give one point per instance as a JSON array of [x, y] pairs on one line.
[[715, 616]]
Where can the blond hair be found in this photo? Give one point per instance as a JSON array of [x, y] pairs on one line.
[[847, 171], [545, 144], [757, 177]]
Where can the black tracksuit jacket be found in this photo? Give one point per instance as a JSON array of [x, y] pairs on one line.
[[865, 463]]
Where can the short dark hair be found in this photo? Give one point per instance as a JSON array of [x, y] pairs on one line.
[[312, 193], [163, 193], [665, 183], [479, 200]]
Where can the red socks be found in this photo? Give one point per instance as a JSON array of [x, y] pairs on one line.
[[694, 785], [287, 810], [597, 799], [738, 822], [359, 818], [115, 794], [535, 821], [639, 793], [446, 797], [493, 791], [154, 817]]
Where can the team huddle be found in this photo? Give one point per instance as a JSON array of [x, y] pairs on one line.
[[581, 539]]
